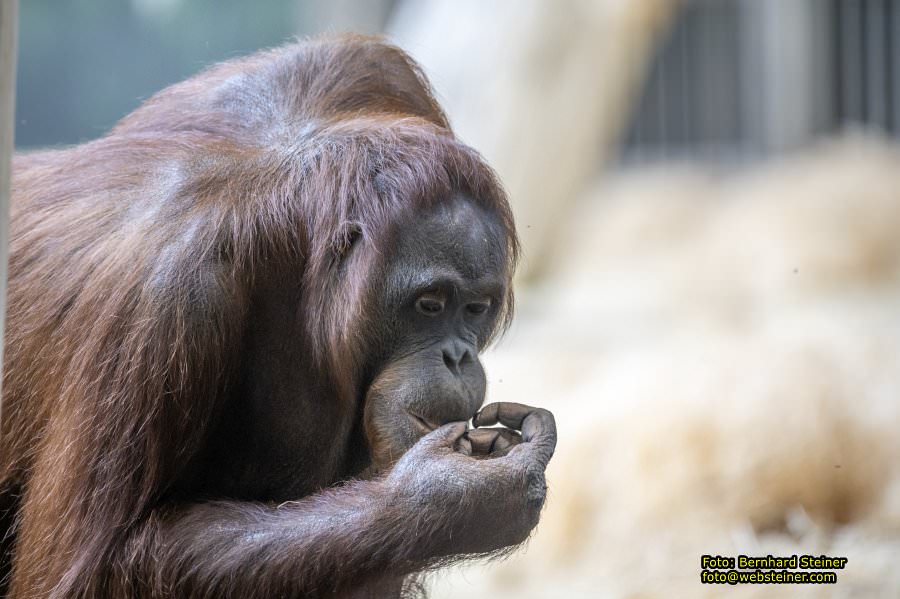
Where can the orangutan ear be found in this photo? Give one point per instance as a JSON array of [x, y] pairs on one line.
[[346, 240]]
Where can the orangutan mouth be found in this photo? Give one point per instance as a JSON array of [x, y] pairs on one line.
[[422, 424]]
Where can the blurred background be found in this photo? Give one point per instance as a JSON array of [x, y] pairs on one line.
[[708, 194]]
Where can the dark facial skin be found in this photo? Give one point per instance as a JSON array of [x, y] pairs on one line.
[[444, 284]]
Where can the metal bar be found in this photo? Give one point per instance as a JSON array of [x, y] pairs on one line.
[[851, 60], [8, 32], [875, 59], [893, 38]]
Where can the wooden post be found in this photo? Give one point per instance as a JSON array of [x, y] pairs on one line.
[[8, 27]]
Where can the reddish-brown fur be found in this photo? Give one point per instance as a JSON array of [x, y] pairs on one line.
[[133, 259]]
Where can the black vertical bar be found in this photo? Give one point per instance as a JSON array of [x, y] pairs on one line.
[[697, 89], [676, 84], [894, 63], [886, 66], [823, 61], [838, 83], [861, 61], [875, 59], [732, 74], [688, 81], [851, 59], [662, 100]]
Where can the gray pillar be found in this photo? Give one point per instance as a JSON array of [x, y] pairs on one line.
[[786, 53], [8, 23]]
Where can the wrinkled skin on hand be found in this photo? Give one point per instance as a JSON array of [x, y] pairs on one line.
[[489, 480]]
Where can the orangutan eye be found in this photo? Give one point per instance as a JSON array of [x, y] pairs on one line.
[[430, 304], [478, 307]]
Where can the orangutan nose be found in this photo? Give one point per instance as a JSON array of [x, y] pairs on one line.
[[456, 355]]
